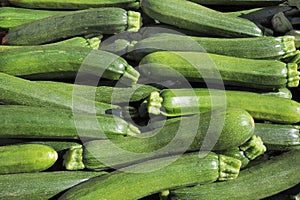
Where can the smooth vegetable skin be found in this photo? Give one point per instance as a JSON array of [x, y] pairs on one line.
[[200, 67], [75, 23], [188, 169], [21, 158], [195, 17], [239, 2], [257, 182], [74, 4], [177, 102], [188, 134], [42, 185]]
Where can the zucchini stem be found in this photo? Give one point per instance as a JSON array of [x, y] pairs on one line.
[[253, 148], [293, 75], [72, 159], [134, 21], [229, 167]]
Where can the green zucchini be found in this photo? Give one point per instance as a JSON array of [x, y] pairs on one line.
[[257, 182], [152, 176], [53, 123], [21, 158], [278, 136], [42, 185], [192, 16], [64, 62], [281, 92], [173, 138], [173, 102], [74, 4], [239, 2], [74, 23], [200, 67], [257, 48]]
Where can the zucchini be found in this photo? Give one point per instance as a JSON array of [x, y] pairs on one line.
[[74, 23], [278, 136], [54, 123], [256, 48], [74, 4], [42, 185], [64, 62], [257, 182], [173, 138], [192, 16], [152, 176], [200, 67], [253, 3], [21, 158], [173, 102], [281, 92]]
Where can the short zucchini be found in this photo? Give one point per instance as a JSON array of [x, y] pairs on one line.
[[21, 158]]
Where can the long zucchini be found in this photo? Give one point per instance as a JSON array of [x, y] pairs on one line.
[[177, 102], [152, 176], [74, 4], [257, 182], [64, 62], [21, 158], [75, 23], [42, 185], [53, 123], [192, 16], [200, 67], [239, 2], [188, 134]]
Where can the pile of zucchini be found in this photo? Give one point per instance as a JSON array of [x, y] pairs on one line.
[[149, 99]]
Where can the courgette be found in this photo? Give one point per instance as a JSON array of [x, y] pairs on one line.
[[74, 4], [253, 3], [75, 23], [54, 123], [188, 134], [192, 16], [177, 102], [42, 185], [21, 158], [257, 182], [257, 47], [152, 176], [64, 62]]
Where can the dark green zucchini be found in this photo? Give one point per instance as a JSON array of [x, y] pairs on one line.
[[188, 134], [42, 185], [257, 182], [64, 62], [177, 102], [200, 67], [143, 179], [54, 123], [253, 3], [74, 23], [192, 16], [74, 4], [20, 158]]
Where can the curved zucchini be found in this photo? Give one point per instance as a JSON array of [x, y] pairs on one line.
[[190, 169], [173, 102], [197, 67], [173, 138], [74, 4], [21, 158], [257, 182], [75, 23], [53, 123], [42, 185], [192, 16]]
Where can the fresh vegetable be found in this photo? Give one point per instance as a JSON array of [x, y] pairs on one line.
[[240, 2], [190, 169], [20, 158], [195, 17], [75, 23]]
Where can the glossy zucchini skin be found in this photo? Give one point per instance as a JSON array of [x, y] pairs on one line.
[[174, 138], [240, 2], [257, 182], [189, 170], [197, 66], [192, 16], [75, 23], [42, 185], [261, 107], [20, 158]]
